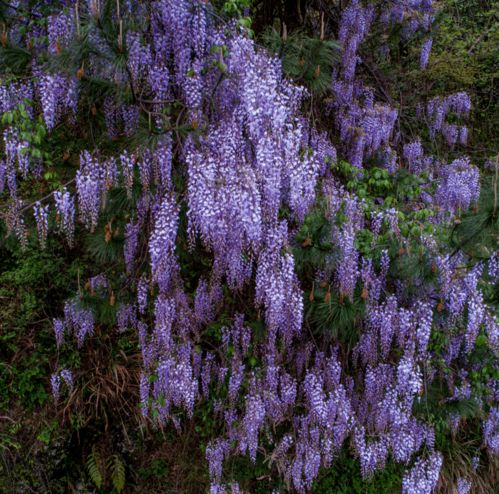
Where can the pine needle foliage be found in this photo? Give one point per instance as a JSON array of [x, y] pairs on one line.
[[106, 243], [313, 243], [307, 60], [334, 317], [477, 232], [432, 407], [14, 59]]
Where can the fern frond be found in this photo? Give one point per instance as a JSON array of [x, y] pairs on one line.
[[117, 469], [93, 468]]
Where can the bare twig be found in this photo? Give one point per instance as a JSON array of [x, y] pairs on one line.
[[480, 39], [496, 177], [45, 197]]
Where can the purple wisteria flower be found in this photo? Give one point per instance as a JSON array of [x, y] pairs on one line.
[[59, 331], [425, 53], [423, 476], [41, 214], [90, 187], [65, 212], [162, 242]]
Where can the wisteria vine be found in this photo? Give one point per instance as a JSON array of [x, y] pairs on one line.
[[253, 168]]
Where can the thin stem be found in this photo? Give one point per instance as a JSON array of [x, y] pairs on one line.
[[494, 211], [77, 17], [120, 36], [24, 208]]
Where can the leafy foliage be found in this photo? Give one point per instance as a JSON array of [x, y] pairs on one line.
[[94, 468]]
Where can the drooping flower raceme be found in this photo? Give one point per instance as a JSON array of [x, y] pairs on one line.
[[90, 181], [42, 222], [65, 209], [162, 242]]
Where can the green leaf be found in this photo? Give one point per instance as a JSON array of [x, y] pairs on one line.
[[93, 468], [117, 473]]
